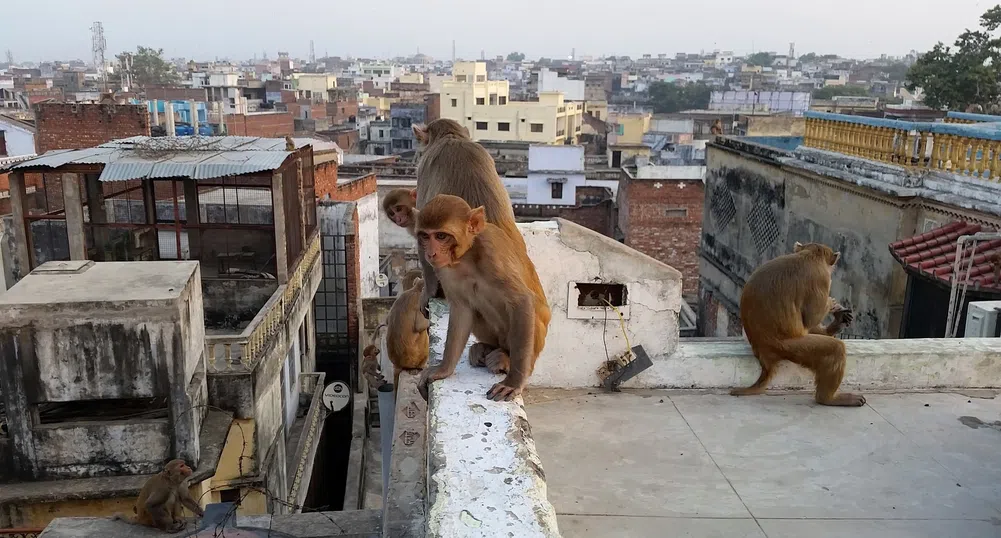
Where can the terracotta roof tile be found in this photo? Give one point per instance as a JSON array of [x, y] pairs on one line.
[[933, 253]]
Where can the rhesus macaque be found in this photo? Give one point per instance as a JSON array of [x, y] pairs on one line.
[[370, 367], [399, 205], [289, 143], [492, 290], [781, 308], [407, 329], [162, 497], [453, 164]]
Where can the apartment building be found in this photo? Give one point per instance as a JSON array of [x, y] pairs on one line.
[[484, 107]]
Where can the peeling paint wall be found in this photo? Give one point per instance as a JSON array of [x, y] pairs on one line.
[[369, 220], [564, 252]]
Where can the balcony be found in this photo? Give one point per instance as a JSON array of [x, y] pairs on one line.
[[240, 353], [963, 145]]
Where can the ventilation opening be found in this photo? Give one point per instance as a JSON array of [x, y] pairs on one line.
[[102, 410], [592, 295], [229, 495]]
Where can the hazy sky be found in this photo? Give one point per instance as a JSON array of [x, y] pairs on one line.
[[60, 29]]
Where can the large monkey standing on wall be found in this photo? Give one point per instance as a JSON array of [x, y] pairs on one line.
[[453, 164], [781, 308], [492, 290]]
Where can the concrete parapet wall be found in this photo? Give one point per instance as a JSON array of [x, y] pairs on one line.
[[485, 478], [913, 364]]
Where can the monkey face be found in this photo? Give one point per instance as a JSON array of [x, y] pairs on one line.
[[438, 247], [400, 214], [446, 228]]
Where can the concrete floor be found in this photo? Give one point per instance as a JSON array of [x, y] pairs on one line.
[[673, 463]]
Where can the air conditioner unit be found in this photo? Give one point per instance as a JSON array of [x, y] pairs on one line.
[[982, 319]]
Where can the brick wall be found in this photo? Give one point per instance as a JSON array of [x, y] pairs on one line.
[[74, 126], [265, 125], [347, 140], [352, 190], [341, 111], [663, 219], [354, 266]]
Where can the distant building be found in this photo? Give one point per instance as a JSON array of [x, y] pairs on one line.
[[551, 81], [402, 119], [484, 108], [314, 86]]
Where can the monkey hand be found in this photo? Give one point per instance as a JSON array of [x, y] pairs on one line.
[[506, 390], [843, 316], [433, 373], [177, 525]]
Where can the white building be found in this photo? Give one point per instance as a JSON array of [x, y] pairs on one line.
[[554, 173], [550, 81], [16, 136]]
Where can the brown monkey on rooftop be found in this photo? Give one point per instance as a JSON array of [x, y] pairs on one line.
[[781, 308], [399, 205], [453, 164], [493, 292], [162, 498]]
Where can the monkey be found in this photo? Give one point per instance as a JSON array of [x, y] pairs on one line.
[[781, 308], [407, 329], [716, 128], [451, 163], [162, 497], [370, 367], [493, 292], [400, 206], [289, 143]]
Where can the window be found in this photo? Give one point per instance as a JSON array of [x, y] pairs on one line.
[[229, 496], [503, 126], [455, 103], [481, 126], [676, 212], [493, 98], [502, 100], [620, 129], [460, 78], [537, 127], [481, 78], [380, 133], [479, 100], [557, 190]]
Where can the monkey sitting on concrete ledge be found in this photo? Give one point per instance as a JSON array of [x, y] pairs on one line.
[[781, 308], [162, 499]]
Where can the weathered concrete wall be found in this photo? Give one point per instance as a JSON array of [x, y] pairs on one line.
[[231, 300], [565, 253], [757, 208], [485, 478], [84, 332], [369, 221], [912, 364]]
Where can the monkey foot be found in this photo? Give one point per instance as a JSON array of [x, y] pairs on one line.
[[497, 362], [845, 399], [502, 393], [478, 353]]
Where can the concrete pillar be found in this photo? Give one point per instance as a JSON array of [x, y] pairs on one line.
[[74, 217], [22, 237], [192, 215], [222, 117], [281, 248], [156, 111], [194, 116], [168, 117]]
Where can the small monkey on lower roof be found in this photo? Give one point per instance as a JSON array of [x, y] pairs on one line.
[[781, 308], [163, 498]]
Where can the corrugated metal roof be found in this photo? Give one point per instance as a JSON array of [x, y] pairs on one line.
[[203, 157]]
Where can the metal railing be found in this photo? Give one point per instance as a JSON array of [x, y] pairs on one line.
[[20, 532], [240, 353], [972, 150]]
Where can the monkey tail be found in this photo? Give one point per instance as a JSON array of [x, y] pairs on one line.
[[376, 334]]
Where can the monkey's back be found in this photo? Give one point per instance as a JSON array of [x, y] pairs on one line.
[[778, 294], [463, 168], [406, 348]]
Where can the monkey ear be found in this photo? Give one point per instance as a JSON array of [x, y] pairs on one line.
[[477, 220], [797, 247], [835, 258], [466, 130], [421, 134], [413, 194]]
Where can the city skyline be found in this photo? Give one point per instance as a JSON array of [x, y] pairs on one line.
[[241, 34]]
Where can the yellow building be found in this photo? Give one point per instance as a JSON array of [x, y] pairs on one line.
[[483, 106], [625, 140], [597, 109], [314, 86]]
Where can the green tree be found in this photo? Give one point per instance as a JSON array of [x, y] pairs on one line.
[[674, 97], [966, 73], [515, 56], [829, 92], [808, 57], [147, 66], [763, 59]]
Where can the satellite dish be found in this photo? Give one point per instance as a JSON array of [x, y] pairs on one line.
[[381, 280], [336, 396]]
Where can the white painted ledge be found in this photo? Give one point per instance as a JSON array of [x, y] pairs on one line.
[[485, 478], [910, 364]]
